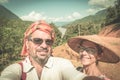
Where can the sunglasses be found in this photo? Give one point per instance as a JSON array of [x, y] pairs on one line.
[[40, 41], [89, 50]]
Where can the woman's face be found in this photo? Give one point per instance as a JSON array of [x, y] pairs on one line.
[[88, 53]]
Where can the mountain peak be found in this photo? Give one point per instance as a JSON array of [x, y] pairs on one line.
[[5, 13]]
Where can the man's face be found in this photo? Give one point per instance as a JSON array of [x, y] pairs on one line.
[[39, 45]]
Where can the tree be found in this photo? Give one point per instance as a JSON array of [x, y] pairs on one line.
[[113, 13]]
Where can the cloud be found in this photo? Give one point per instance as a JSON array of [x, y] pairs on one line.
[[101, 3], [76, 14], [91, 11], [3, 1], [34, 16], [97, 5]]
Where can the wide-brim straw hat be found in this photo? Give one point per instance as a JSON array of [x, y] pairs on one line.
[[110, 46]]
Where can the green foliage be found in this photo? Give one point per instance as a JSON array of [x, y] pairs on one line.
[[11, 33], [58, 35], [113, 14], [81, 29]]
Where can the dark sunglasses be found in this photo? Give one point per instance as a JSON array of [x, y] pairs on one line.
[[40, 41], [89, 50]]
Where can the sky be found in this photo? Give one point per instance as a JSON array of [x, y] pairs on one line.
[[55, 10]]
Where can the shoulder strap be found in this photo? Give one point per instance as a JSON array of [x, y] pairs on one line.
[[23, 75], [79, 68]]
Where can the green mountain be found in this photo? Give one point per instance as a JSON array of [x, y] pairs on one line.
[[5, 13], [91, 24], [99, 17], [6, 16]]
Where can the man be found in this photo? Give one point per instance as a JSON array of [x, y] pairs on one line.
[[39, 64]]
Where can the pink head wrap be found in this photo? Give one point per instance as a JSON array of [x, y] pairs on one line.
[[39, 25]]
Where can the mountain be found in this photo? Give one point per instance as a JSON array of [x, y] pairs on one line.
[[100, 15], [60, 24], [97, 18], [88, 25], [5, 13]]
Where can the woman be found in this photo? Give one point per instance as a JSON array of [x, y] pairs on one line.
[[93, 48]]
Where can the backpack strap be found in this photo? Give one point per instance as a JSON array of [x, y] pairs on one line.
[[23, 75]]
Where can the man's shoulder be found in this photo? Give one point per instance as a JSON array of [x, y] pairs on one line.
[[12, 69], [14, 65]]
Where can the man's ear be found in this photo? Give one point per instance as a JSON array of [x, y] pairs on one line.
[[26, 43]]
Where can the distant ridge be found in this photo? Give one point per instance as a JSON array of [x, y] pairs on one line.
[[5, 13], [60, 24], [97, 18]]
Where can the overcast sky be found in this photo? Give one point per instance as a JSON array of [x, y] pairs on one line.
[[55, 10]]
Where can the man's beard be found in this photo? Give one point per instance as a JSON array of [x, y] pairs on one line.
[[41, 61]]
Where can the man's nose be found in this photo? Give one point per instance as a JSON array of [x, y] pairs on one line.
[[44, 45]]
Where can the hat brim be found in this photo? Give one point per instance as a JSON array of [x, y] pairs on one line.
[[111, 46]]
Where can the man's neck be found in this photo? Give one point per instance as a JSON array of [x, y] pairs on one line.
[[37, 62]]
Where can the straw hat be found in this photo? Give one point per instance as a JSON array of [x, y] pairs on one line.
[[111, 46]]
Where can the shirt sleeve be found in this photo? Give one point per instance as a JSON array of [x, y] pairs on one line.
[[69, 72], [11, 72]]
